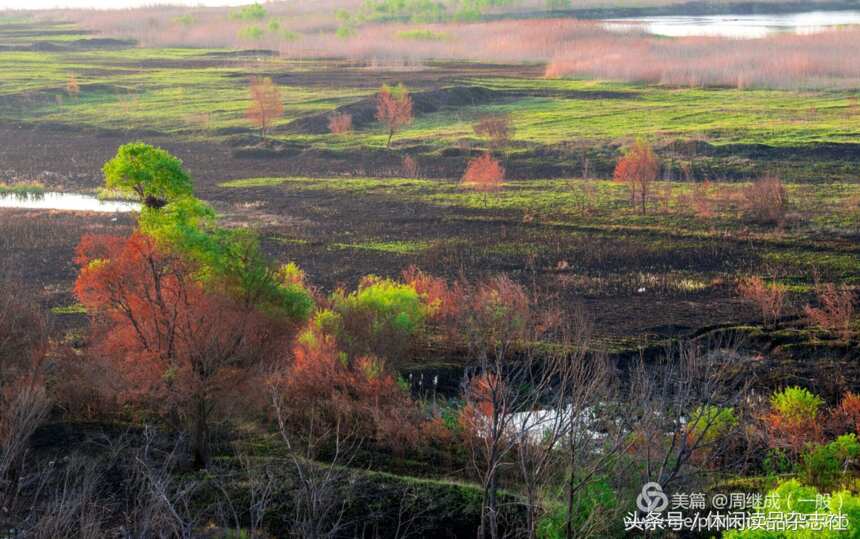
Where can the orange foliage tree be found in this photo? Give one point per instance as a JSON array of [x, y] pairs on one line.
[[484, 174], [266, 103], [393, 108], [638, 169], [175, 346]]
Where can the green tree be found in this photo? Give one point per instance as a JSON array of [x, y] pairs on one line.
[[155, 176]]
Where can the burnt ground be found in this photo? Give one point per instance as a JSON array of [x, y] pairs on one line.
[[315, 223]]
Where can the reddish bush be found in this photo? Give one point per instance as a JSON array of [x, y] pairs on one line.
[[638, 169], [409, 167], [484, 174], [340, 123], [394, 109], [72, 86], [769, 297], [835, 312], [498, 129], [793, 420], [266, 105], [174, 346], [766, 201], [846, 417], [325, 391]]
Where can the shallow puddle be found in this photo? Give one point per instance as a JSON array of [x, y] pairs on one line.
[[65, 201]]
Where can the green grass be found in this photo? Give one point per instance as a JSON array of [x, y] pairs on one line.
[[22, 188], [253, 182], [393, 247], [187, 94], [75, 308]]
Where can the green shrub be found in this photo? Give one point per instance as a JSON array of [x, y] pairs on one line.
[[251, 33], [777, 462], [796, 404], [382, 317], [824, 465], [793, 496], [254, 12]]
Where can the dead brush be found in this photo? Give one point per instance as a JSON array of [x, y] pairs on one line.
[[770, 298], [835, 312], [766, 201]]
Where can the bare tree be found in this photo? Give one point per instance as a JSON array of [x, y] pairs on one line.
[[676, 400], [319, 508], [160, 500], [501, 326]]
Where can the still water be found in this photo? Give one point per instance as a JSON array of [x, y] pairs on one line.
[[737, 26], [67, 202]]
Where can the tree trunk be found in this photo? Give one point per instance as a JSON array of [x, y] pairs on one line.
[[201, 434], [390, 136], [570, 490]]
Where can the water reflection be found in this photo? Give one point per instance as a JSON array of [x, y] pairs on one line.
[[65, 201], [736, 26]]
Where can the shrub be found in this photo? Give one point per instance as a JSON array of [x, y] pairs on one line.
[[382, 318], [836, 310], [498, 129], [824, 466], [251, 33], [253, 12], [846, 416], [793, 419], [796, 404], [767, 201], [484, 174], [72, 86], [794, 497], [769, 297], [410, 167], [340, 123], [328, 393]]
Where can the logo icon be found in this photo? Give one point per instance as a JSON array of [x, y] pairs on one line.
[[652, 499]]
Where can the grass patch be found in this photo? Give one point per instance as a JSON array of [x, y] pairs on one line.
[[422, 34], [253, 182], [75, 308], [23, 188], [393, 247]]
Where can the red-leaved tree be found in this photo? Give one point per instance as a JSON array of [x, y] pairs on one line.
[[638, 169], [393, 108], [175, 346], [484, 174], [266, 105]]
